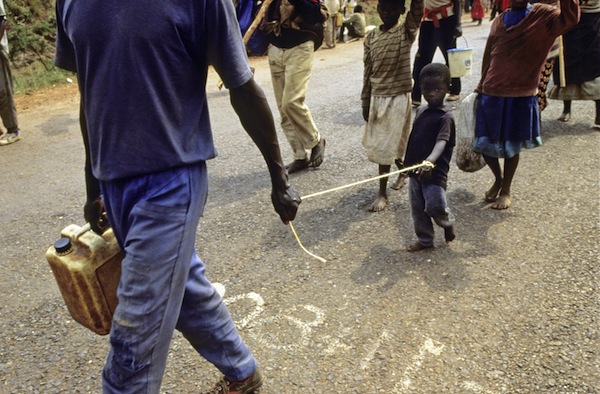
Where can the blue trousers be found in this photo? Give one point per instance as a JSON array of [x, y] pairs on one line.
[[428, 202], [163, 284]]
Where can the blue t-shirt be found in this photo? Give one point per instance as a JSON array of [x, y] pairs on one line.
[[142, 68]]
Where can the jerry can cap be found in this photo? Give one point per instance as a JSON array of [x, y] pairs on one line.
[[63, 245]]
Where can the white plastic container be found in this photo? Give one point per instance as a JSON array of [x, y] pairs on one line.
[[460, 61], [87, 268]]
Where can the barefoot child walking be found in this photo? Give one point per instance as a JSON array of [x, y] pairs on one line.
[[387, 85], [507, 109], [431, 142]]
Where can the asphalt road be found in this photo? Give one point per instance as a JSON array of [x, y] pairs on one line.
[[511, 306]]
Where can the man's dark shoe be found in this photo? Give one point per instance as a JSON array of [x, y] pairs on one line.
[[317, 154], [248, 386], [297, 165]]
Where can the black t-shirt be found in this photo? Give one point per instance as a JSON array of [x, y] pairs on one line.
[[430, 126]]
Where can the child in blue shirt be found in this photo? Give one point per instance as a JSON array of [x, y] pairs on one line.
[[431, 142]]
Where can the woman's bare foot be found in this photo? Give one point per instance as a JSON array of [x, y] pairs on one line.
[[492, 194], [379, 204], [502, 202], [565, 117]]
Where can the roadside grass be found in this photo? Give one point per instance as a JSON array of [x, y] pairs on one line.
[[36, 76]]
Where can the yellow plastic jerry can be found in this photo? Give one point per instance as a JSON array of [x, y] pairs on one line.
[[87, 268]]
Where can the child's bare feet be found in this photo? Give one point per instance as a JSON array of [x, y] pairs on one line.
[[399, 183], [379, 204], [502, 202], [415, 247], [492, 194], [449, 233]]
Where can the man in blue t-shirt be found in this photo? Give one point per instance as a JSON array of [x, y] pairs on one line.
[[142, 75]]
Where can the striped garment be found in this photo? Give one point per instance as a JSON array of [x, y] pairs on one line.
[[387, 71]]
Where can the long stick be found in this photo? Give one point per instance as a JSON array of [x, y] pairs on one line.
[[257, 19]]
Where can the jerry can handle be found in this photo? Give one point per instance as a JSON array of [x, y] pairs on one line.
[[84, 229]]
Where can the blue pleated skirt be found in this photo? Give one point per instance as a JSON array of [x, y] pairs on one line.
[[506, 125]]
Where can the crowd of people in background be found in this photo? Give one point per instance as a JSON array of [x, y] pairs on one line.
[[346, 22]]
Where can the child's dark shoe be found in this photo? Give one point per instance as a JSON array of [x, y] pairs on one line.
[[449, 234], [415, 247]]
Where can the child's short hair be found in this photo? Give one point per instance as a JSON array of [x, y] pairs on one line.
[[358, 8], [436, 70]]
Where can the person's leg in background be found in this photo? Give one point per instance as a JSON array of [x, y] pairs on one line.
[[277, 66], [444, 37], [425, 52], [329, 32], [301, 132], [8, 111], [344, 27]]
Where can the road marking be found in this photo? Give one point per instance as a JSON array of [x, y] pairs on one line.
[[256, 298], [305, 329], [428, 347], [333, 344], [258, 309], [364, 364]]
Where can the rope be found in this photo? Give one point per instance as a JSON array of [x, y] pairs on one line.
[[321, 259], [428, 164], [406, 169]]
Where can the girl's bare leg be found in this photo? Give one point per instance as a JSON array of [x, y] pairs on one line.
[[381, 201], [401, 180], [510, 168], [566, 115], [494, 165]]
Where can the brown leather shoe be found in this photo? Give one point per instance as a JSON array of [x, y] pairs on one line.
[[297, 165]]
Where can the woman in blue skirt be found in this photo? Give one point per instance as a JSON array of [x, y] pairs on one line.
[[507, 111]]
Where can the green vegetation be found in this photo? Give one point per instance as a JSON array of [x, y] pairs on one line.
[[370, 10], [31, 35]]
